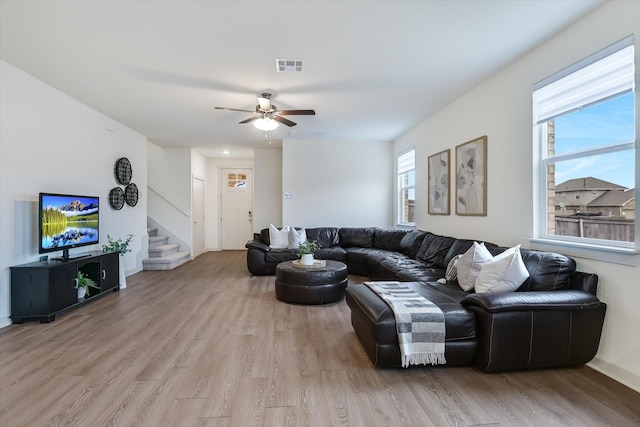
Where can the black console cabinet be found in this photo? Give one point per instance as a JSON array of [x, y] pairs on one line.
[[42, 290]]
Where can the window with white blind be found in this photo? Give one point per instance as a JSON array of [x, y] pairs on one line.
[[406, 187], [585, 158]]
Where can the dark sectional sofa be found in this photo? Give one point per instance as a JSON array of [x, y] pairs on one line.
[[553, 319]]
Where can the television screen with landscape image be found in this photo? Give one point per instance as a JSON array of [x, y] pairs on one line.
[[67, 221]]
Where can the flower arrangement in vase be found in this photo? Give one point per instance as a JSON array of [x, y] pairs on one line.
[[307, 248], [117, 245]]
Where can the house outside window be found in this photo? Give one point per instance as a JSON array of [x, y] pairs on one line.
[[584, 120], [406, 187]]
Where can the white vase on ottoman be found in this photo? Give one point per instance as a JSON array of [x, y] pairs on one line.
[[307, 248]]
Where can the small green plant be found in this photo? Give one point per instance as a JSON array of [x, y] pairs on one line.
[[308, 247], [118, 245], [86, 283]]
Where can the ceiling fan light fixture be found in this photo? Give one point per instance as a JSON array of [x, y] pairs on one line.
[[265, 124]]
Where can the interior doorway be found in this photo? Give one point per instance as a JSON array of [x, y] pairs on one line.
[[236, 207]]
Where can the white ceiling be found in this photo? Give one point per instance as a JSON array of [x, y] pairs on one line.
[[373, 69]]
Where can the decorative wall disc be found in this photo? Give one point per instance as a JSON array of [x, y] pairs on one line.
[[123, 171], [131, 194], [116, 198]]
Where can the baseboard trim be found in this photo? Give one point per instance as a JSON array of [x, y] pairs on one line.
[[617, 373], [4, 322]]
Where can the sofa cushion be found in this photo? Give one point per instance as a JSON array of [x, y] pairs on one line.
[[420, 274], [276, 256], [264, 236], [451, 275], [357, 237], [411, 242], [296, 237], [278, 238], [335, 253], [434, 249], [389, 239], [362, 255], [324, 236], [503, 273], [470, 264], [459, 322], [548, 271], [408, 269], [374, 262]]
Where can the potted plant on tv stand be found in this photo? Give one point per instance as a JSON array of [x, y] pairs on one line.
[[307, 249], [121, 247], [118, 245], [84, 283]]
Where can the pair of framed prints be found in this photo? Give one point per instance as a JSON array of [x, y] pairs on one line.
[[470, 197]]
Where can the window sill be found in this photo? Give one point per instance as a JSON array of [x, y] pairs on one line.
[[406, 226], [624, 256]]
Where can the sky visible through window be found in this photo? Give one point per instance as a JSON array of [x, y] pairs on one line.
[[602, 124]]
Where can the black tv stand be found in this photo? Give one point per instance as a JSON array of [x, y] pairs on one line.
[[42, 290]]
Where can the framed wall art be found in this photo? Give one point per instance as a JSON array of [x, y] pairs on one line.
[[471, 177], [439, 183]]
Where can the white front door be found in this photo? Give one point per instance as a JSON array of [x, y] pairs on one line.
[[198, 216], [236, 207]]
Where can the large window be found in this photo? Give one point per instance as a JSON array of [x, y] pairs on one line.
[[585, 131], [406, 187]]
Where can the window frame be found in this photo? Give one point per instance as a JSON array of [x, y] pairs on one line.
[[606, 250], [401, 188]]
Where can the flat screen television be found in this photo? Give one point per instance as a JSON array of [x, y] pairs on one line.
[[67, 221]]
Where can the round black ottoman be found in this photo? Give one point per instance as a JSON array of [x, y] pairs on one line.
[[319, 285]]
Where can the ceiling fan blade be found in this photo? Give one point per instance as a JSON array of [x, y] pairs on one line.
[[250, 119], [235, 109], [297, 112], [283, 121]]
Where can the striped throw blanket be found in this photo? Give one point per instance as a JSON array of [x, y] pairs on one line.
[[420, 323]]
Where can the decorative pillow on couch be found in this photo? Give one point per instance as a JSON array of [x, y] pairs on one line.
[[504, 273], [470, 264], [278, 239], [296, 237], [452, 269]]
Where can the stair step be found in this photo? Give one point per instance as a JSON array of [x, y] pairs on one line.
[[158, 241], [160, 251], [168, 262], [152, 232]]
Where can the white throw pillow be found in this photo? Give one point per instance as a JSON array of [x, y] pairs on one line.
[[296, 237], [504, 273], [452, 269], [278, 239], [470, 264]]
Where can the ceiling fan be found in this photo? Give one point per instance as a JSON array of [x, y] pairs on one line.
[[266, 114]]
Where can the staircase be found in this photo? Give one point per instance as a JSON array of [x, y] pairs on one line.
[[162, 254]]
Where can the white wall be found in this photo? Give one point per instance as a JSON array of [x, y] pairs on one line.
[[50, 142], [198, 165], [212, 194], [267, 189], [337, 183], [501, 109], [169, 175]]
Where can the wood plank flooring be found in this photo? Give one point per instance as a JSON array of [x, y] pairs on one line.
[[208, 345]]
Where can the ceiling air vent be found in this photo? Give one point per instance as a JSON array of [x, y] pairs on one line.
[[289, 65]]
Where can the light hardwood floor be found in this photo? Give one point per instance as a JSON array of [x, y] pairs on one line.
[[209, 345]]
